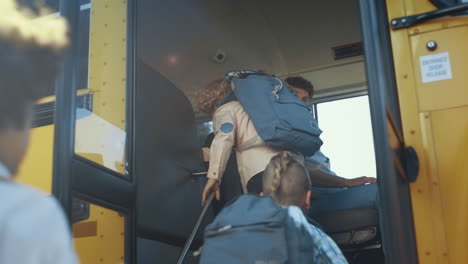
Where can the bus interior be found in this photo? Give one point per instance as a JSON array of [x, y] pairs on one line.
[[183, 45]]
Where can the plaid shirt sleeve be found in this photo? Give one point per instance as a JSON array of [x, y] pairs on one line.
[[308, 244], [326, 251]]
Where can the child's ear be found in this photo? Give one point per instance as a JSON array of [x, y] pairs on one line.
[[261, 194]]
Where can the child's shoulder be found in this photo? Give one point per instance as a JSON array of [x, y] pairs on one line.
[[233, 105], [233, 108], [15, 192], [34, 220], [27, 202]]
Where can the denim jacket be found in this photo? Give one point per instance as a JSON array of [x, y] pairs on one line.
[[307, 243]]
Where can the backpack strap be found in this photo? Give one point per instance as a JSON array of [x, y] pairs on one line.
[[242, 74], [253, 142]]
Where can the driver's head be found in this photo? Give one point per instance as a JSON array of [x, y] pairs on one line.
[[302, 87], [287, 180]]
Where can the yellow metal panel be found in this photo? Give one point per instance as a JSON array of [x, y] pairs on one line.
[[107, 83], [425, 195], [414, 7], [107, 59], [446, 93], [433, 25], [105, 243], [450, 134], [438, 226], [36, 168], [46, 99]]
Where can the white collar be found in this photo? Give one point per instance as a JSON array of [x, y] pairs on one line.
[[4, 171]]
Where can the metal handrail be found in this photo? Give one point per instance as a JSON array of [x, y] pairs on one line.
[[204, 173], [195, 229]]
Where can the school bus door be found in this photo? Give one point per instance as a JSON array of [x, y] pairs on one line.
[[417, 83], [429, 40], [395, 201], [92, 159]]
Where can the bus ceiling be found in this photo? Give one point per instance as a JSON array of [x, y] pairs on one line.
[[274, 36]]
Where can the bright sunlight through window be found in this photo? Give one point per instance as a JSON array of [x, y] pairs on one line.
[[347, 136]]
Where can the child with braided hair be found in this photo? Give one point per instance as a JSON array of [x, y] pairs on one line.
[[271, 228], [287, 181]]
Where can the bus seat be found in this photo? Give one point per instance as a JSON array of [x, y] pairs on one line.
[[349, 215], [166, 154]]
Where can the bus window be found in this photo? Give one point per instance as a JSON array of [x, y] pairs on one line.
[[347, 136], [101, 120], [203, 130]]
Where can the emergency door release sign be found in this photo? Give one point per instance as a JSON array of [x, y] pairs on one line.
[[435, 67]]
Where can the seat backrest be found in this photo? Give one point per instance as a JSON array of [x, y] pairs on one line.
[[166, 154]]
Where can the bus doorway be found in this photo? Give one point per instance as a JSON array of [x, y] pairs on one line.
[[182, 46]]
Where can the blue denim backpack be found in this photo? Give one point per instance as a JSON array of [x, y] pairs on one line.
[[280, 118], [253, 229], [250, 229]]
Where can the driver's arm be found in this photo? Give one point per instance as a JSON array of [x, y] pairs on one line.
[[326, 180]]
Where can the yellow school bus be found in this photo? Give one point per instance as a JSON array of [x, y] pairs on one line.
[[116, 142]]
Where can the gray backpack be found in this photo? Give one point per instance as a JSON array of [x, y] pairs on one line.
[[249, 230], [280, 118]]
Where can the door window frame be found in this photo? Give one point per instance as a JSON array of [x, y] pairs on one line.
[[76, 177]]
